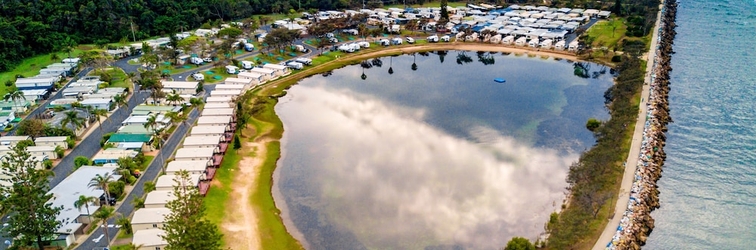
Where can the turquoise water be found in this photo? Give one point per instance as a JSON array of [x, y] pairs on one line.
[[440, 157], [708, 188]]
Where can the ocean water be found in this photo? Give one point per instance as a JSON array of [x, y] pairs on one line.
[[708, 188], [441, 157]]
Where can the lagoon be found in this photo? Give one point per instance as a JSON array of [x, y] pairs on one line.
[[436, 155]]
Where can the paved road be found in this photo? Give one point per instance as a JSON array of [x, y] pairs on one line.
[[150, 174]]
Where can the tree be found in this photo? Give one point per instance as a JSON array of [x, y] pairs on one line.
[[176, 117], [230, 32], [519, 243], [174, 98], [593, 124], [444, 12], [125, 224], [138, 202], [186, 226], [15, 95], [104, 214], [102, 182], [151, 122], [32, 127], [100, 113], [200, 88], [31, 217], [72, 117], [81, 161], [196, 102], [54, 57], [84, 201], [120, 101], [617, 9], [237, 143]]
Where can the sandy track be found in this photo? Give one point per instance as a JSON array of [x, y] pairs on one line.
[[239, 225]]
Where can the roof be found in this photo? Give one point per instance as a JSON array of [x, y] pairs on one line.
[[239, 80], [156, 109], [34, 92], [118, 137], [114, 153], [142, 119], [40, 149], [149, 238], [197, 140], [191, 166], [51, 139], [14, 138], [45, 80], [217, 105], [225, 92], [134, 129], [167, 181], [129, 145], [217, 112], [73, 186], [150, 215], [263, 70], [94, 101], [229, 86], [247, 74], [208, 129], [179, 85], [158, 197], [184, 153], [225, 99], [224, 119]]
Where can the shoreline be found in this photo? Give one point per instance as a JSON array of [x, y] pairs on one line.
[[638, 194], [272, 127]]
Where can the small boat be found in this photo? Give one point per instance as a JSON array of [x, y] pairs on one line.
[[499, 80]]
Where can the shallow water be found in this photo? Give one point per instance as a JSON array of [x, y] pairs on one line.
[[438, 158], [708, 188]]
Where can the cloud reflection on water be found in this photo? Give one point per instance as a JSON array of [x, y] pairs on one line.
[[395, 182]]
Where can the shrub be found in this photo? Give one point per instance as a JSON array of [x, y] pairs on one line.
[[81, 161], [70, 142], [116, 188], [105, 139], [47, 163], [617, 58], [59, 151]]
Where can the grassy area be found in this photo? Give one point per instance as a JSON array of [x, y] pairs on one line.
[[31, 66], [121, 247], [119, 77], [147, 160], [217, 197], [123, 235], [608, 33]]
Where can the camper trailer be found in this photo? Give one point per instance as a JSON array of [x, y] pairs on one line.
[[364, 44], [198, 76], [232, 69], [410, 40], [495, 39], [305, 61], [559, 45], [546, 44], [385, 42], [247, 64], [396, 41], [507, 40], [533, 43], [445, 38], [249, 47], [294, 65], [432, 39], [522, 41], [574, 45]]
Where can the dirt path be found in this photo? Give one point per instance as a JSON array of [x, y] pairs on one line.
[[240, 223]]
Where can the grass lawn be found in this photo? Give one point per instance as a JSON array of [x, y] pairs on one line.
[[147, 160], [123, 235], [121, 247], [31, 66], [119, 77], [217, 197], [608, 33]]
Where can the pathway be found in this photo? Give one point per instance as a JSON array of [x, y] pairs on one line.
[[632, 158]]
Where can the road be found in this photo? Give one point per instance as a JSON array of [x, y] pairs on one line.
[[95, 240], [635, 146]]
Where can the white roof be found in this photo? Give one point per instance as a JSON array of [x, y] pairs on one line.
[[217, 105], [49, 138], [69, 190], [262, 70], [16, 138], [217, 112], [40, 149], [238, 80], [195, 140], [143, 119], [274, 66], [229, 86], [190, 166], [225, 92], [250, 75], [114, 153], [150, 215], [94, 101], [208, 129], [224, 99], [34, 92], [179, 85], [35, 80], [167, 181], [149, 238], [214, 119], [184, 153], [158, 197]]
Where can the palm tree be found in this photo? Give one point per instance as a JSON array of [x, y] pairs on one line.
[[174, 98], [15, 95], [102, 182], [54, 57], [68, 46], [72, 117], [176, 117], [100, 113], [104, 214], [138, 202], [196, 102], [125, 224], [151, 122], [120, 101], [84, 201], [159, 134]]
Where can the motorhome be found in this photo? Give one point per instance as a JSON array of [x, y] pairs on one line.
[[432, 39], [445, 38], [232, 69], [396, 41], [294, 65], [247, 64], [385, 42]]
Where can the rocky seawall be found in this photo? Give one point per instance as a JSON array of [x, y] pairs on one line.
[[636, 223]]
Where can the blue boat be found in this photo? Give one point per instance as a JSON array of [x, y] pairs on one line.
[[499, 80]]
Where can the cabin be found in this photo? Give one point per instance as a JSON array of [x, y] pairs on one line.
[[219, 99], [522, 41], [209, 130], [13, 140], [182, 87], [218, 112], [45, 83], [103, 104], [112, 155], [202, 141], [140, 120], [573, 46], [225, 93], [149, 239], [149, 218], [222, 120], [136, 129], [243, 79], [279, 70], [230, 86], [51, 141], [130, 138], [218, 105], [194, 154], [42, 152], [36, 94], [166, 182], [559, 45], [157, 199], [266, 72], [193, 167]]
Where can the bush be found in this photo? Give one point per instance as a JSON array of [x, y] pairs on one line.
[[105, 139], [131, 180], [149, 187], [70, 142], [617, 58], [60, 152], [116, 188], [81, 161], [47, 163]]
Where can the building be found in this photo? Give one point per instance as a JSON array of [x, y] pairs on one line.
[[218, 112], [280, 70], [142, 119], [42, 152], [225, 93], [194, 154], [218, 105], [157, 199], [193, 167], [183, 88], [46, 83], [149, 239], [201, 141], [136, 129], [209, 130], [112, 155], [166, 182], [220, 120], [130, 138], [51, 141], [13, 140], [239, 81], [36, 94], [219, 99], [148, 218], [67, 192], [265, 72], [142, 110], [97, 103], [228, 86]]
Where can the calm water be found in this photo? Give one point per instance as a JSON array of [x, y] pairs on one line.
[[708, 191], [438, 158]]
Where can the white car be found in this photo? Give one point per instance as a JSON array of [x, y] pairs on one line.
[[410, 40], [198, 76]]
